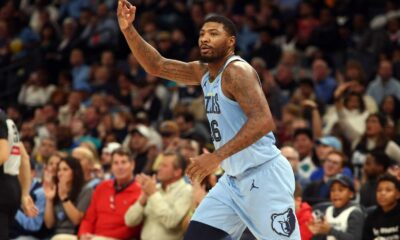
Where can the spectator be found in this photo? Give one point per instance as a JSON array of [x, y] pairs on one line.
[[349, 112], [80, 71], [384, 84], [285, 80], [304, 144], [111, 200], [374, 138], [170, 133], [271, 90], [325, 85], [67, 200], [68, 41], [266, 49], [139, 144], [293, 157], [303, 214], [162, 207], [190, 129], [390, 107], [376, 164], [72, 109], [105, 159], [318, 191], [47, 147], [323, 147], [36, 91], [384, 221], [355, 73], [306, 23], [342, 216], [87, 160], [50, 169]]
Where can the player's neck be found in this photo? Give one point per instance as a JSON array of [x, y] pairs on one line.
[[216, 67]]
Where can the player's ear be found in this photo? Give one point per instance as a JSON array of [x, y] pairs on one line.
[[232, 41]]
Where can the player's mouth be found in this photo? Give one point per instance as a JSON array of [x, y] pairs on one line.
[[205, 49]]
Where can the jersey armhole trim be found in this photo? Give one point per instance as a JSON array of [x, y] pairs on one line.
[[231, 101]]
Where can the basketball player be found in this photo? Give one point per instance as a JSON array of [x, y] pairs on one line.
[[15, 178], [257, 187]]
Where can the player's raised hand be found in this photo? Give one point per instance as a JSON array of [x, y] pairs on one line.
[[125, 13]]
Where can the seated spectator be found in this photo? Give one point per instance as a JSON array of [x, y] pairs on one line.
[[111, 200], [344, 219], [384, 222], [323, 147], [139, 144], [72, 109], [293, 157], [190, 129], [384, 84], [46, 148], [50, 170], [67, 200], [304, 144], [87, 161], [162, 207], [36, 91], [318, 191], [374, 138], [375, 166], [303, 214], [324, 83], [27, 227], [105, 159]]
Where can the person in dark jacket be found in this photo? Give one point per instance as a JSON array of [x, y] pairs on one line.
[[384, 221]]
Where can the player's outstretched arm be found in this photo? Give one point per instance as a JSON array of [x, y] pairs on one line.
[[240, 82], [149, 58]]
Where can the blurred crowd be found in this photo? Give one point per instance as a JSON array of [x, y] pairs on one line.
[[93, 120]]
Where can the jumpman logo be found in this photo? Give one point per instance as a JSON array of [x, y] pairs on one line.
[[253, 186]]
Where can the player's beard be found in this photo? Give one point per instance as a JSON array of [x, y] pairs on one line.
[[214, 56]]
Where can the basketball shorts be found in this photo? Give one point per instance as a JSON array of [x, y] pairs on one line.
[[261, 199]]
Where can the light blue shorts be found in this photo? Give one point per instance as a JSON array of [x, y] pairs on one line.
[[261, 199]]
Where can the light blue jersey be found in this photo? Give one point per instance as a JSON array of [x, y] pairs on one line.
[[256, 190], [226, 118]]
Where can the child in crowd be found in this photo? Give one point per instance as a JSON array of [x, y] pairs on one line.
[[303, 214], [344, 219], [384, 222]]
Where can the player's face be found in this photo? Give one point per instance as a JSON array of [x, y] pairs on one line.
[[214, 42]]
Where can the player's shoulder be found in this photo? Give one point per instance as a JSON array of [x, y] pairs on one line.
[[239, 67], [238, 70]]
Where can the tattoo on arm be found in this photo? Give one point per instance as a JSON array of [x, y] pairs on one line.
[[242, 83], [180, 71], [146, 55], [151, 60]]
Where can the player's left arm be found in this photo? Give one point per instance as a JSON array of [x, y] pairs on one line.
[[240, 83]]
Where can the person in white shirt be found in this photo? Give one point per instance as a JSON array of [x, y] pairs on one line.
[[162, 207]]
